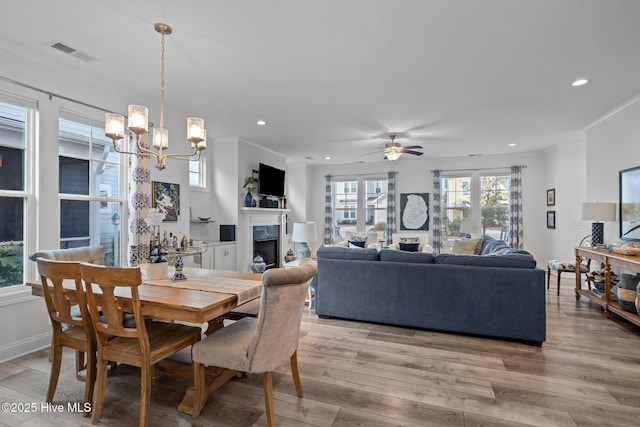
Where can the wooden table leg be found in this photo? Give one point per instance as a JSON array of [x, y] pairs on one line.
[[214, 325]]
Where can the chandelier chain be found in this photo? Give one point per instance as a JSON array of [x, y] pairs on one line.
[[162, 56]]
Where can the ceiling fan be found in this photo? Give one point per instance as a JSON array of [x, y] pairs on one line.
[[393, 149]]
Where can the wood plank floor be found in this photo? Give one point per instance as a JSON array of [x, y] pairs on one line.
[[357, 374]]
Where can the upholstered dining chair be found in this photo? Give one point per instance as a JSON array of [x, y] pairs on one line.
[[69, 330], [143, 345], [259, 345]]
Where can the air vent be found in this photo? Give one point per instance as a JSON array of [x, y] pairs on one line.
[[70, 51]]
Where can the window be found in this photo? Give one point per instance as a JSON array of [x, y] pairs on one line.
[[360, 205], [474, 204], [17, 125], [197, 173], [90, 177]]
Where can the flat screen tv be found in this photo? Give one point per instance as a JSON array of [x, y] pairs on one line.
[[630, 204], [270, 181]]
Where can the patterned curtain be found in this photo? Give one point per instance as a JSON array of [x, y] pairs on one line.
[[391, 206], [328, 211], [515, 215], [437, 218], [139, 204]]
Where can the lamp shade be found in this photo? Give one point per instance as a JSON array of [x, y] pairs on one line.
[[596, 211], [304, 231]]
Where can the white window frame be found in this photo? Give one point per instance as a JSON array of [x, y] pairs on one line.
[[201, 173]]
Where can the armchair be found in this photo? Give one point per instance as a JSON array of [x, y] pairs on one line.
[[422, 240], [371, 238]]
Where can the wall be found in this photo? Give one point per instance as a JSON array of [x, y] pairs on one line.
[[414, 175]]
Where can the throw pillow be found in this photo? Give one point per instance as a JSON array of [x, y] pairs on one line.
[[356, 243], [409, 247], [357, 238], [409, 240], [467, 246]]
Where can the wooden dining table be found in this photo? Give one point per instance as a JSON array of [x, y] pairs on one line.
[[203, 298]]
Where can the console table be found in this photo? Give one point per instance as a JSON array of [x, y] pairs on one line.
[[609, 259]]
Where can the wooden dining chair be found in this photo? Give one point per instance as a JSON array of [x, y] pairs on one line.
[[259, 345], [68, 330], [143, 345]]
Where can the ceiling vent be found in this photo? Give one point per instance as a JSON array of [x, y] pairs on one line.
[[70, 51]]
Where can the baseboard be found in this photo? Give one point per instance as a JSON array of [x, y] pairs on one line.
[[22, 347]]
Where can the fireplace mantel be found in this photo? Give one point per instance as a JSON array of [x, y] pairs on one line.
[[252, 217]]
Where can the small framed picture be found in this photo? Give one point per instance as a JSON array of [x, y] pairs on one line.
[[551, 219], [551, 197]]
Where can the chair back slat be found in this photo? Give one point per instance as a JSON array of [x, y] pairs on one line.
[[104, 281], [281, 307], [52, 275]]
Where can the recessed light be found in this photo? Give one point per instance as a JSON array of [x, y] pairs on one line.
[[513, 144], [261, 122], [580, 82], [327, 158]]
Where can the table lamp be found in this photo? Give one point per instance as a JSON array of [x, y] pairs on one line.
[[303, 233], [598, 212]]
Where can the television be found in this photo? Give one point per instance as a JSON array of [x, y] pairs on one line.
[[270, 181], [630, 204]]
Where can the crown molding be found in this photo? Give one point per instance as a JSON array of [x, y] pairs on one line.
[[625, 106]]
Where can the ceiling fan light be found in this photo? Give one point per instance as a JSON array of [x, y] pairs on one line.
[[393, 155]]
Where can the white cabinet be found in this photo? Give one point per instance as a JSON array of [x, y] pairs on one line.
[[224, 256]]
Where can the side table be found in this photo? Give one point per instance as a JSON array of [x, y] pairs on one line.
[[296, 263]]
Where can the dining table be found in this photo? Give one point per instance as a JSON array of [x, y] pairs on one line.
[[202, 298]]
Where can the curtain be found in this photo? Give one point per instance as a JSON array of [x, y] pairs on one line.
[[139, 204], [437, 218], [328, 211], [391, 206], [515, 215]]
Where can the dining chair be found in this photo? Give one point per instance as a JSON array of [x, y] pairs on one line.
[[560, 266], [143, 345], [68, 329], [259, 345]]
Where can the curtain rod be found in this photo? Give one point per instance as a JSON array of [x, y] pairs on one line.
[[381, 174], [476, 169], [51, 94]]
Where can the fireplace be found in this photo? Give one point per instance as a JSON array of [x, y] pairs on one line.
[[266, 244]]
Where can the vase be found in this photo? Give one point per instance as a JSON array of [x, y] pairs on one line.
[[178, 264], [258, 265], [248, 200], [154, 270]]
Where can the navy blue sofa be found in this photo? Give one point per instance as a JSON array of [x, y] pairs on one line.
[[499, 293]]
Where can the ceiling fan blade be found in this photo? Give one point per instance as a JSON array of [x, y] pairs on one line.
[[412, 147], [415, 153]]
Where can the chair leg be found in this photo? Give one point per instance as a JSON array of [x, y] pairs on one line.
[[268, 399], [146, 372], [548, 277], [79, 361], [200, 395], [295, 373], [558, 282], [56, 355], [101, 384], [91, 379]]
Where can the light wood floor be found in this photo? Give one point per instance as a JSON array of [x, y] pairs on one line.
[[356, 374]]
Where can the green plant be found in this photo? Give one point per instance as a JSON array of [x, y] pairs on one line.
[[11, 272], [250, 184]]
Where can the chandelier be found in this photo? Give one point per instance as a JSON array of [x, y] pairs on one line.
[[138, 121]]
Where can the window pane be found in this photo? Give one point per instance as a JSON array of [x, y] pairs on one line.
[[345, 205], [106, 176], [456, 207], [11, 241], [74, 219], [376, 205], [494, 201], [12, 146], [73, 176]]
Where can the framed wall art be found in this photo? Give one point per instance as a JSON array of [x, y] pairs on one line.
[[551, 197], [166, 197], [551, 219], [414, 211]]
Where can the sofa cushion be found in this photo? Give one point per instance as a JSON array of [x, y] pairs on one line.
[[357, 243], [400, 256], [467, 246], [409, 247], [515, 260], [341, 252]]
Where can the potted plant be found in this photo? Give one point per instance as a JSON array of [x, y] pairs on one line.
[[250, 186]]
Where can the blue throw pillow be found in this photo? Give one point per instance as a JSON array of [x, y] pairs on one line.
[[358, 243], [409, 247]]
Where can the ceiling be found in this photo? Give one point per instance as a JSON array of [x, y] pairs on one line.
[[335, 77]]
